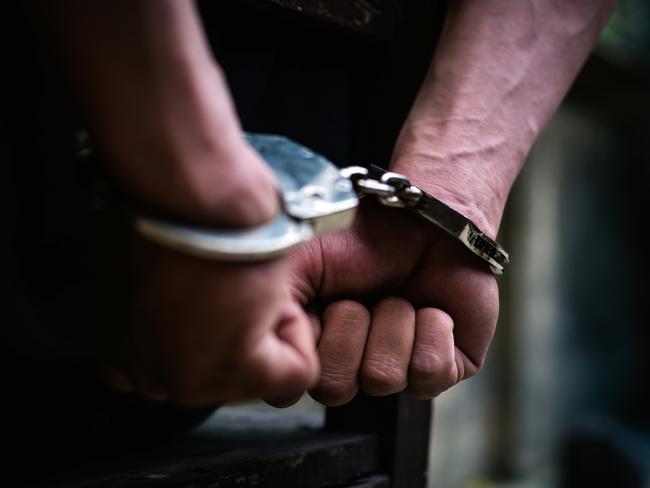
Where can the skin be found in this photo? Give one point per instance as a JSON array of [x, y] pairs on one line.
[[392, 324], [195, 332], [417, 313]]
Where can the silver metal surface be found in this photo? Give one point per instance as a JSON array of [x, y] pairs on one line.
[[374, 187], [395, 190], [353, 173], [264, 242], [316, 199], [312, 188]]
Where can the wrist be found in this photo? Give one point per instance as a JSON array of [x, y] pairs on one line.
[[468, 174], [183, 153], [224, 185]]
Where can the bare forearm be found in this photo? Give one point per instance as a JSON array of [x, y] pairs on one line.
[[500, 71], [125, 52], [157, 104]]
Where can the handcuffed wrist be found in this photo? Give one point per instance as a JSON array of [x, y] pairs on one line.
[[395, 190], [475, 202], [461, 163]]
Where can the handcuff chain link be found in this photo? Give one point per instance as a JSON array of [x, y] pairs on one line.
[[392, 190], [395, 190]]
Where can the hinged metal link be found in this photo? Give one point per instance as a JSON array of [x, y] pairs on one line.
[[395, 190]]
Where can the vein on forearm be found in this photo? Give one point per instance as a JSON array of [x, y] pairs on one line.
[[500, 71]]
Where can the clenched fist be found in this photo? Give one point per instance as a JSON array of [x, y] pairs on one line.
[[403, 307]]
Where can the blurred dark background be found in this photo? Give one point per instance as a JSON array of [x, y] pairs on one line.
[[564, 399]]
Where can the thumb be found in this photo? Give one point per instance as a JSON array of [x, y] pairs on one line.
[[293, 365]]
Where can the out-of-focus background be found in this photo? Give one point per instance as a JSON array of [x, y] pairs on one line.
[[564, 399]]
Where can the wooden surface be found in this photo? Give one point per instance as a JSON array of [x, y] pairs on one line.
[[402, 425], [370, 443], [240, 448]]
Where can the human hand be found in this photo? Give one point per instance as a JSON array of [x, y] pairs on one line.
[[201, 332], [158, 110], [405, 307]]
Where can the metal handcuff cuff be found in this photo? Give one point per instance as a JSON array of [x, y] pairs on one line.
[[317, 198]]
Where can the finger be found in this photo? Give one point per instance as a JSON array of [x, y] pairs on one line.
[[462, 286], [469, 294], [388, 350], [293, 365], [316, 327], [278, 365], [433, 366], [340, 349]]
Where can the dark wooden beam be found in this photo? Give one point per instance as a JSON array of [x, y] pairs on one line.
[[375, 17], [403, 426]]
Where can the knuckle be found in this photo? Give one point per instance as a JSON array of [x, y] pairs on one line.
[[430, 366], [288, 384], [301, 379], [334, 390], [351, 313], [432, 372], [470, 367], [381, 377], [434, 315], [394, 302]]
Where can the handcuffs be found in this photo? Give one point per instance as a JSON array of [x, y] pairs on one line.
[[316, 198]]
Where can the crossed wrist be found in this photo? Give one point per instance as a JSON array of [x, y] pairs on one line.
[[186, 159], [464, 178], [225, 187], [469, 200]]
